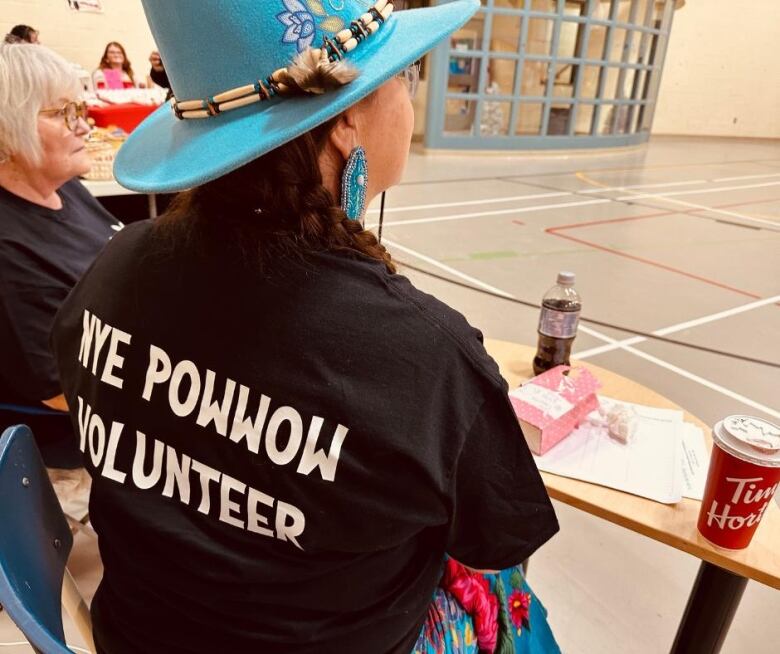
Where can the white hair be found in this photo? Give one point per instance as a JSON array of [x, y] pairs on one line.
[[32, 78]]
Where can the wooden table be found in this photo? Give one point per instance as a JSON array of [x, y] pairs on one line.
[[723, 574]]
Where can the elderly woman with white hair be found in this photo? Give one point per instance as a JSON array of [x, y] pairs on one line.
[[51, 229]]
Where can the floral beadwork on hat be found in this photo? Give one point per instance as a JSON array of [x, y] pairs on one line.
[[256, 74], [313, 71], [300, 24], [302, 18]]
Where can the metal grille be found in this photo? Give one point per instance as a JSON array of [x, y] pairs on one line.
[[544, 74]]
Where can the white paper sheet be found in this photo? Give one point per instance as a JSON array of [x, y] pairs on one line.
[[695, 462], [650, 465]]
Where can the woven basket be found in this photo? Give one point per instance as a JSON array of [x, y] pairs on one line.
[[102, 148]]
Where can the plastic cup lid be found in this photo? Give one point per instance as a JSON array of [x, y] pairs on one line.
[[752, 439]]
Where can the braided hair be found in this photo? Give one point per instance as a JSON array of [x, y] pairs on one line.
[[274, 206]]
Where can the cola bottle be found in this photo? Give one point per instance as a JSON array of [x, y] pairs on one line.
[[558, 321]]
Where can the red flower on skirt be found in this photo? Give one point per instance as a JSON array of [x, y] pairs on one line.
[[472, 590], [519, 609]]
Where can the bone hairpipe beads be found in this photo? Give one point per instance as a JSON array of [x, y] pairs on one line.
[[280, 82]]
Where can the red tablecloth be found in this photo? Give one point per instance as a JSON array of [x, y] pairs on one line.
[[126, 116]]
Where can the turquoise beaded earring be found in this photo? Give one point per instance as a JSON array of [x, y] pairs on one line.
[[354, 181]]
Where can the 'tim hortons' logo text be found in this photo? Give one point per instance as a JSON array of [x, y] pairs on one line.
[[745, 493]]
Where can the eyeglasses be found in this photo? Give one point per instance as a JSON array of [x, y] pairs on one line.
[[71, 112], [411, 77]]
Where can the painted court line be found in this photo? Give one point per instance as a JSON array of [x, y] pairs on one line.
[[691, 376], [731, 179], [555, 231], [671, 329], [497, 212], [466, 203], [603, 337], [665, 196], [655, 264], [632, 186], [534, 196], [517, 178], [561, 205], [703, 207], [449, 269], [719, 189]]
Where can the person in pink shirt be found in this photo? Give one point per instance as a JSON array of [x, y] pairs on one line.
[[115, 70]]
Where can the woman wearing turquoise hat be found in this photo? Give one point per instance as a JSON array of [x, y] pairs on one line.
[[293, 450]]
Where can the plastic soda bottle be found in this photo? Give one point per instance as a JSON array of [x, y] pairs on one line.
[[558, 321]]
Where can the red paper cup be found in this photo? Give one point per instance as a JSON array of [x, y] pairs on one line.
[[743, 476]]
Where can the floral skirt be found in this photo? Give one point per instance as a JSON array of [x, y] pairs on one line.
[[493, 613]]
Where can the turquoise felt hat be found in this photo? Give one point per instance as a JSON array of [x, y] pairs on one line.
[[211, 47]]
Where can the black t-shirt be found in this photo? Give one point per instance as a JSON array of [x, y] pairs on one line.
[[281, 460], [43, 253]]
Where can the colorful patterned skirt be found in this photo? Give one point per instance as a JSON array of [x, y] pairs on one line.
[[477, 613]]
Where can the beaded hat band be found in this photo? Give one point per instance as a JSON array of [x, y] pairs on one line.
[[282, 81]]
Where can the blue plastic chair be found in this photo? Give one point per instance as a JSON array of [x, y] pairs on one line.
[[35, 541]]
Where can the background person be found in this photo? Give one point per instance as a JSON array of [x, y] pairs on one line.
[[51, 229], [114, 70], [22, 34], [157, 71]]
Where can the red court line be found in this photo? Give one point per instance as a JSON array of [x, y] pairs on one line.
[[554, 231]]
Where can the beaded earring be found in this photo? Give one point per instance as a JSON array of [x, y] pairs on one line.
[[354, 181]]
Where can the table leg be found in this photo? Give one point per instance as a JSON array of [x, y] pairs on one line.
[[152, 205], [711, 607]]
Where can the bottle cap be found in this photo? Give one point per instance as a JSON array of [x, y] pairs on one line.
[[565, 278]]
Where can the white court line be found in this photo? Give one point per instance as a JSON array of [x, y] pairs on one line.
[[697, 191], [497, 212], [465, 203], [704, 207], [731, 179], [585, 354], [445, 267], [659, 362], [657, 185], [724, 212], [704, 382], [534, 196], [560, 205]]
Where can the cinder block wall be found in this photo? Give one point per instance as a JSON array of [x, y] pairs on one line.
[[722, 70], [81, 37]]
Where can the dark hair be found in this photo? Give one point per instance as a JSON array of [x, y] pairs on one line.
[[274, 206], [104, 62], [23, 32]]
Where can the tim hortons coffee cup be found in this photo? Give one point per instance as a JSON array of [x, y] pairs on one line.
[[743, 476]]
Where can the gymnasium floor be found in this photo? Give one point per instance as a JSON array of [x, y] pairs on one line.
[[682, 236]]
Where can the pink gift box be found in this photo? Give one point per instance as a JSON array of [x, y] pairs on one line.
[[552, 404]]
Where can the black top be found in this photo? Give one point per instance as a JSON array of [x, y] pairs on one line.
[[160, 77], [280, 461], [43, 253]]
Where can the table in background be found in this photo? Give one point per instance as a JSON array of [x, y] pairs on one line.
[[127, 116], [112, 188], [723, 574]]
